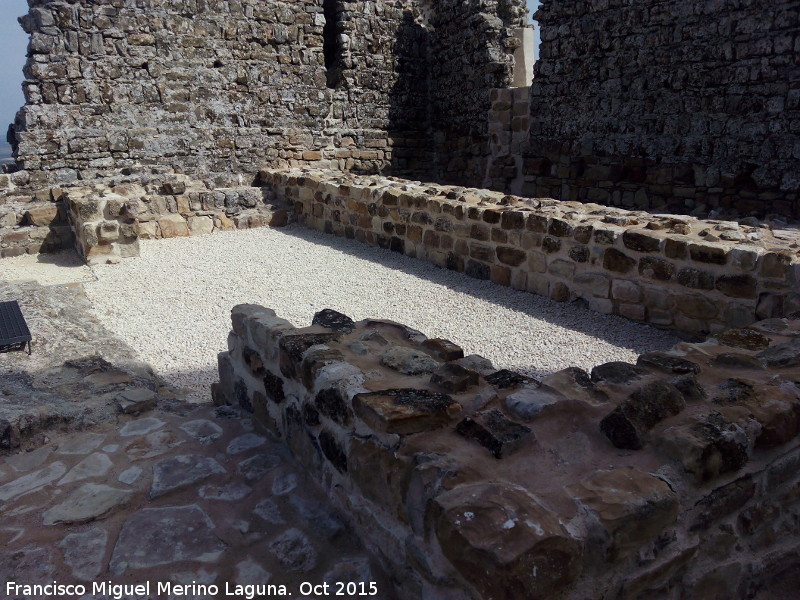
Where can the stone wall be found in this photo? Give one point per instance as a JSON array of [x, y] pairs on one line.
[[695, 276], [218, 89], [674, 477], [110, 217], [473, 53], [668, 105]]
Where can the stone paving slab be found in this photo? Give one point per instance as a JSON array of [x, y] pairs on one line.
[[172, 497]]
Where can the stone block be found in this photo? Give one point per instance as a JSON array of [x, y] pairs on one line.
[[530, 402], [502, 540], [708, 253], [444, 350], [173, 226], [200, 225], [454, 378], [381, 474], [632, 508], [723, 501], [627, 426], [405, 411], [42, 216], [641, 241], [616, 261], [134, 401], [708, 447], [495, 432], [334, 320], [576, 384], [293, 345]]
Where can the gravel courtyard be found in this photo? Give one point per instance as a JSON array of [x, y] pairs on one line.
[[172, 304]]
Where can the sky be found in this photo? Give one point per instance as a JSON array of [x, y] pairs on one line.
[[13, 44]]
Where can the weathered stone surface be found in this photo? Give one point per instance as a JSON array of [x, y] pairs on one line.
[[709, 447], [129, 476], [294, 551], [330, 403], [667, 363], [245, 442], [82, 444], [230, 492], [333, 451], [723, 501], [269, 511], [485, 529], [294, 345], [627, 425], [782, 355], [163, 536], [409, 361], [632, 507], [87, 503], [141, 427], [405, 411], [494, 431], [505, 379], [84, 553], [94, 465], [173, 226], [528, 403], [25, 461], [334, 320], [444, 350], [178, 472], [617, 372], [617, 262], [746, 338], [134, 401], [203, 430], [381, 474], [576, 384], [32, 481], [454, 379], [737, 360], [255, 467]]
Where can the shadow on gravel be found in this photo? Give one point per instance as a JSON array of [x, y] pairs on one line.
[[574, 316]]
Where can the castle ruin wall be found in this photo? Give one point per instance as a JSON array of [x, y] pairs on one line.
[[674, 477], [679, 272], [219, 89], [670, 105]]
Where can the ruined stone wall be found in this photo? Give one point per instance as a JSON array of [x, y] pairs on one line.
[[676, 477], [472, 55], [219, 89], [213, 87], [680, 272], [669, 105]]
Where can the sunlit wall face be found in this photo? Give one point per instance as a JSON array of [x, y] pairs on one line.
[[13, 47]]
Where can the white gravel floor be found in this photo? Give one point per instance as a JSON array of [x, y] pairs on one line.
[[172, 304]]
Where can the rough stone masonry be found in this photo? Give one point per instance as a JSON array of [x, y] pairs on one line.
[[673, 477], [218, 89]]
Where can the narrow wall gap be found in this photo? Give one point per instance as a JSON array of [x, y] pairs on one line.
[[331, 46]]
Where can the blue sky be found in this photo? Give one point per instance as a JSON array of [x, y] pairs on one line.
[[13, 43]]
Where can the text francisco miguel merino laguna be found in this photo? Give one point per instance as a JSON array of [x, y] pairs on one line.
[[120, 591]]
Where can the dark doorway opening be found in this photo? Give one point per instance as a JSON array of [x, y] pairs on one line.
[[331, 46]]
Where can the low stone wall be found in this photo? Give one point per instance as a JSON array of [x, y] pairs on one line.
[[679, 272], [106, 220], [31, 223], [674, 477]]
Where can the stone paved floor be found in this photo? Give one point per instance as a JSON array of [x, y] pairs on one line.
[[181, 496]]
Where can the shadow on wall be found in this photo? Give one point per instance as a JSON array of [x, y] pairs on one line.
[[409, 124]]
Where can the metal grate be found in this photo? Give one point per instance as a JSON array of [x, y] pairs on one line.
[[14, 332]]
